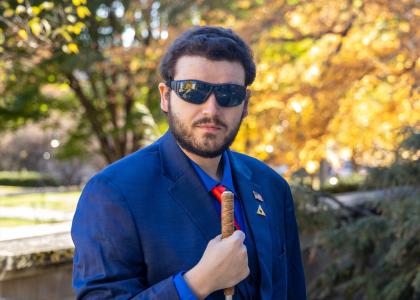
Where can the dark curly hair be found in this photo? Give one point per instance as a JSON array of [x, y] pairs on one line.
[[214, 43]]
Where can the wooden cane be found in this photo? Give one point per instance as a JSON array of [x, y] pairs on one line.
[[228, 218]]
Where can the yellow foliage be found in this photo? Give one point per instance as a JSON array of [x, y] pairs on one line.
[[244, 4], [73, 48], [34, 10], [76, 29], [78, 2], [35, 26], [8, 13], [82, 12], [70, 48], [331, 96], [73, 29], [135, 65], [23, 34], [66, 35]]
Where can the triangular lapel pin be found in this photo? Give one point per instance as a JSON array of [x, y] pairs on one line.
[[260, 211], [257, 196]]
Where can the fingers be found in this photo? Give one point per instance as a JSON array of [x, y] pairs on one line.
[[238, 235], [215, 240], [246, 273], [225, 261], [244, 250], [218, 237]]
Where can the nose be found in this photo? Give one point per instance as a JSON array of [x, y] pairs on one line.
[[211, 107]]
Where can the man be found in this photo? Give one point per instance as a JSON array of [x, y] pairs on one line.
[[148, 226]]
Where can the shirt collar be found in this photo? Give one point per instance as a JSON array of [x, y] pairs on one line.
[[210, 182]]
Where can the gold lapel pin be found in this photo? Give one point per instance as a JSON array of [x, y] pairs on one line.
[[260, 211], [258, 196]]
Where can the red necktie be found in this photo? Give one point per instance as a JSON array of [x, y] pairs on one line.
[[218, 191]]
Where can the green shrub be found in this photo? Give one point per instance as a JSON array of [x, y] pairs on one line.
[[27, 179], [352, 183], [373, 251], [374, 257], [342, 187]]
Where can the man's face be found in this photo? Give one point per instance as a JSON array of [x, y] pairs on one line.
[[205, 129]]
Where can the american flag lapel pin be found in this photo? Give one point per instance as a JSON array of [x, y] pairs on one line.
[[258, 196]]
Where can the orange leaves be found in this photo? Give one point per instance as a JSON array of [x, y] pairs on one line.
[[355, 87]]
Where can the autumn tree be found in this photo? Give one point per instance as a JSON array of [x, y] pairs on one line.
[[336, 80], [29, 34], [97, 63]]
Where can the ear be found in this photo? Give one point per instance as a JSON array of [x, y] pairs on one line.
[[164, 97], [246, 103]]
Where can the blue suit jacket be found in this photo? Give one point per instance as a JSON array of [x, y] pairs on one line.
[[146, 217]]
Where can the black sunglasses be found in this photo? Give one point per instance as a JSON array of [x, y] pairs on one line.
[[197, 92]]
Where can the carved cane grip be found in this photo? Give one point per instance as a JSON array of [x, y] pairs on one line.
[[228, 226]]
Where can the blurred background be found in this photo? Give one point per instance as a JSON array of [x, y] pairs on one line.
[[335, 109]]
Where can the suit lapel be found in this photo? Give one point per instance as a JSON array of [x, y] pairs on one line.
[[187, 189], [259, 225]]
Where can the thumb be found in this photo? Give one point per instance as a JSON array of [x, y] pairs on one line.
[[217, 238]]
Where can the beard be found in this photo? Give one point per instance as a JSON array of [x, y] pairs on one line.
[[208, 147]]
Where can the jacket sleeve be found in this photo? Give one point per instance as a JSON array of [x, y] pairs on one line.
[[296, 288], [108, 261]]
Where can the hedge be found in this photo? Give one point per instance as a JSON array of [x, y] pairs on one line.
[[27, 179]]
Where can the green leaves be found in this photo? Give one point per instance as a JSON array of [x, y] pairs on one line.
[[375, 256], [371, 256]]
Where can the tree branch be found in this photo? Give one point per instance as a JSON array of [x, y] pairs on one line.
[[91, 115]]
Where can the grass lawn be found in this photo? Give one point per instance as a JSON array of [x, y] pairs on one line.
[[4, 189], [65, 201], [14, 222]]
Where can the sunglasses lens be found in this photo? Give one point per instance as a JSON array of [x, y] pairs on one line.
[[192, 91], [197, 92], [229, 95]]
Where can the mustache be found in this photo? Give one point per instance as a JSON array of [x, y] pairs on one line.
[[206, 120]]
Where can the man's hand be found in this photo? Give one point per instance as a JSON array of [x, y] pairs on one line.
[[223, 264]]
